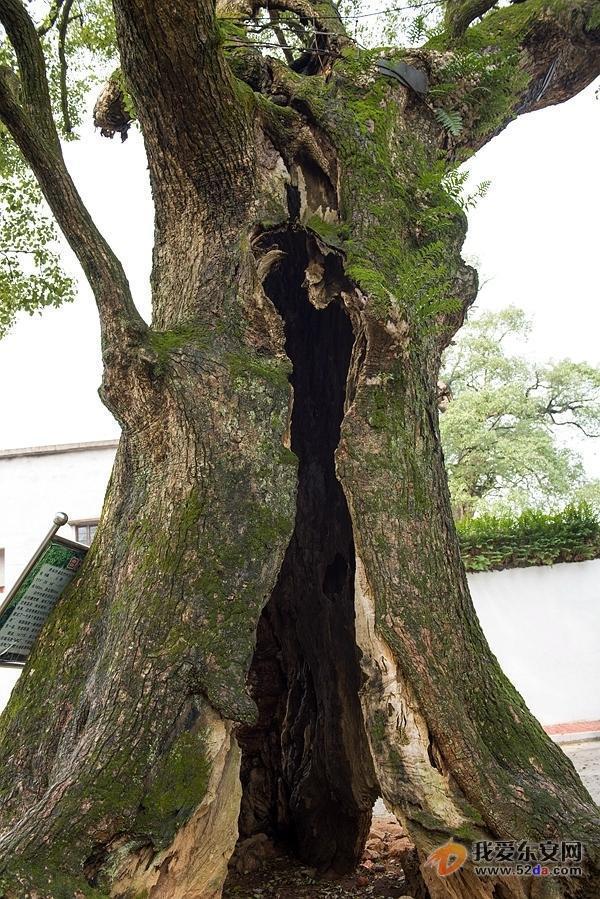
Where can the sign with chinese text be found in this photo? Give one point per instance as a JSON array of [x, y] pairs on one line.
[[26, 610]]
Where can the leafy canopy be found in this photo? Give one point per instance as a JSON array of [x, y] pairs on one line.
[[78, 56], [31, 276], [80, 49], [504, 429]]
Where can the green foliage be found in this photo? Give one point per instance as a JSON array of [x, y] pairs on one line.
[[503, 430], [593, 23], [426, 277], [480, 87], [451, 121], [455, 181], [589, 493], [402, 248], [331, 233], [128, 101], [409, 22], [532, 538], [31, 274], [90, 52], [95, 30]]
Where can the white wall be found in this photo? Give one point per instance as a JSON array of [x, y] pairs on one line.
[[33, 488], [543, 624]]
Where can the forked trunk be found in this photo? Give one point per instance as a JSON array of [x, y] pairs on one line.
[[273, 626], [370, 672]]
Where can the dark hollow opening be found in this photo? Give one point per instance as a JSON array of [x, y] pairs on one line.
[[307, 776]]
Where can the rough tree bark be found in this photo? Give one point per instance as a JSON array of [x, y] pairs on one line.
[[261, 547]]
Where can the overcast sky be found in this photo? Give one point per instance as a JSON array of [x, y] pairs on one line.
[[534, 238]]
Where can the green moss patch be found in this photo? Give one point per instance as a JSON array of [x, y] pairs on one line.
[[177, 788]]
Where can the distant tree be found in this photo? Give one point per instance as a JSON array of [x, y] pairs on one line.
[[506, 418], [589, 493]]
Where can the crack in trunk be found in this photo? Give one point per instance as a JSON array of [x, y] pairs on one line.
[[307, 774]]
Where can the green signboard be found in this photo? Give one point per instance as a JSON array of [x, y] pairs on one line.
[[27, 606]]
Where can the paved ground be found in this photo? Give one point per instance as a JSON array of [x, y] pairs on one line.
[[586, 758]]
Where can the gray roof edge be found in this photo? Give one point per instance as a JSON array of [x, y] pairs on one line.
[[57, 448]]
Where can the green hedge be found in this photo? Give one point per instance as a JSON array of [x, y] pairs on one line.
[[533, 538]]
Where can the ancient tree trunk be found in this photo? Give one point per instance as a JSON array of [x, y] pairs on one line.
[[273, 625]]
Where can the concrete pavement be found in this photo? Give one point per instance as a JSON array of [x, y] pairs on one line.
[[586, 758]]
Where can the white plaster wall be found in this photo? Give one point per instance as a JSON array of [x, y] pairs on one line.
[[34, 488], [543, 624]]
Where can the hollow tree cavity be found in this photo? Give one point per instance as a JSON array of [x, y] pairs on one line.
[[119, 768], [306, 770]]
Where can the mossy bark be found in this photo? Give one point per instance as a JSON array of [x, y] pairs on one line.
[[277, 532], [110, 740]]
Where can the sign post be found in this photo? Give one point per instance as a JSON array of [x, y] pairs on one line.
[[35, 593]]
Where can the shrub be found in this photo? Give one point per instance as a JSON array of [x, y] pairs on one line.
[[532, 538]]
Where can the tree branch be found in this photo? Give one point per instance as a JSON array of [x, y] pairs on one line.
[[324, 16], [62, 56], [196, 124], [460, 13], [552, 49], [319, 20], [50, 20], [32, 126], [560, 53], [32, 67], [535, 386], [574, 424], [277, 31]]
